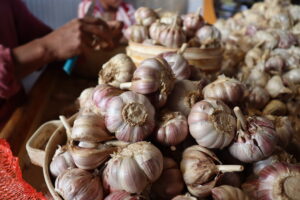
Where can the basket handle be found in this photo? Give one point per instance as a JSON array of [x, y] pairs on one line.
[[36, 144]]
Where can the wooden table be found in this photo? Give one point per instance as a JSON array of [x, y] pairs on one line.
[[54, 94]]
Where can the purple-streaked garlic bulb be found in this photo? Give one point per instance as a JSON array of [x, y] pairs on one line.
[[170, 18], [192, 22], [258, 97], [173, 36], [209, 36], [201, 169], [275, 87], [170, 183], [212, 124], [178, 63], [267, 39], [275, 65], [155, 30], [286, 39], [145, 16], [227, 192], [277, 181], [123, 195], [229, 90], [102, 94], [278, 156], [257, 77], [133, 168], [172, 128], [255, 140], [61, 161], [137, 33], [79, 184], [119, 69], [153, 75], [284, 129], [292, 76], [130, 116], [184, 95], [275, 107], [184, 197]]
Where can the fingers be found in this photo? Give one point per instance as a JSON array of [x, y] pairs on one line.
[[94, 21]]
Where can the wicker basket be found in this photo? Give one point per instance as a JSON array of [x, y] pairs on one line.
[[208, 60]]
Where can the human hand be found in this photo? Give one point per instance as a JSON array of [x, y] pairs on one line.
[[77, 37], [116, 31]]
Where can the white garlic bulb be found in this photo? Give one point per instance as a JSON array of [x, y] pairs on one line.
[[275, 65], [155, 30], [173, 36], [84, 99], [192, 22], [209, 36], [133, 168], [130, 116], [79, 184], [61, 161], [119, 69], [292, 76], [275, 87], [257, 77], [212, 124], [258, 97], [173, 128], [229, 90], [269, 40], [136, 33], [253, 56], [145, 16], [227, 192]]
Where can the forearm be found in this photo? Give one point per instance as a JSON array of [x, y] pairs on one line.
[[30, 57]]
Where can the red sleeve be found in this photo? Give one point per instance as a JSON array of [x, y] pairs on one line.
[[9, 84], [28, 26]]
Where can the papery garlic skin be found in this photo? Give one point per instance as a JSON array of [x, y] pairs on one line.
[[61, 161], [231, 91], [255, 143], [172, 37], [292, 76], [155, 30], [79, 184], [209, 36], [84, 98], [133, 168], [119, 69], [122, 195], [275, 65], [275, 87], [145, 16], [258, 97], [170, 182], [173, 129], [212, 123], [102, 94], [192, 22], [130, 116], [136, 33], [227, 192], [275, 107]]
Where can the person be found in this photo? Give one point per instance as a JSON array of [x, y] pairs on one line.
[[26, 44]]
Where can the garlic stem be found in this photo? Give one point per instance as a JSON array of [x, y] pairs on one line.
[[239, 115], [66, 125], [230, 168], [117, 143], [125, 86], [182, 49]]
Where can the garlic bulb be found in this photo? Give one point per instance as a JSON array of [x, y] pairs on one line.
[[136, 33], [173, 36], [192, 22], [92, 157], [153, 75], [155, 30], [253, 57], [275, 65], [89, 127], [209, 36], [258, 97], [122, 195], [133, 168], [119, 69], [170, 183], [79, 184], [278, 156], [286, 39], [170, 18], [269, 40], [227, 192], [284, 129], [84, 98], [229, 90], [292, 76], [200, 173], [255, 140], [275, 87], [173, 129], [184, 197], [257, 77], [178, 63], [61, 161], [184, 95], [130, 116], [275, 107], [102, 94], [212, 124], [145, 16]]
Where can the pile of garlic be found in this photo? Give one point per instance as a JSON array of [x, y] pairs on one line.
[[171, 30]]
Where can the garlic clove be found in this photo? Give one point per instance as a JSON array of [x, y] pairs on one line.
[[145, 16], [258, 97], [257, 77], [226, 192], [136, 33], [79, 184], [155, 30], [275, 65], [85, 100], [275, 107], [209, 36], [275, 87], [192, 22], [292, 76]]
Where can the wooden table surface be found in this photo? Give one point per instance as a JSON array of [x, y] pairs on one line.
[[54, 94]]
